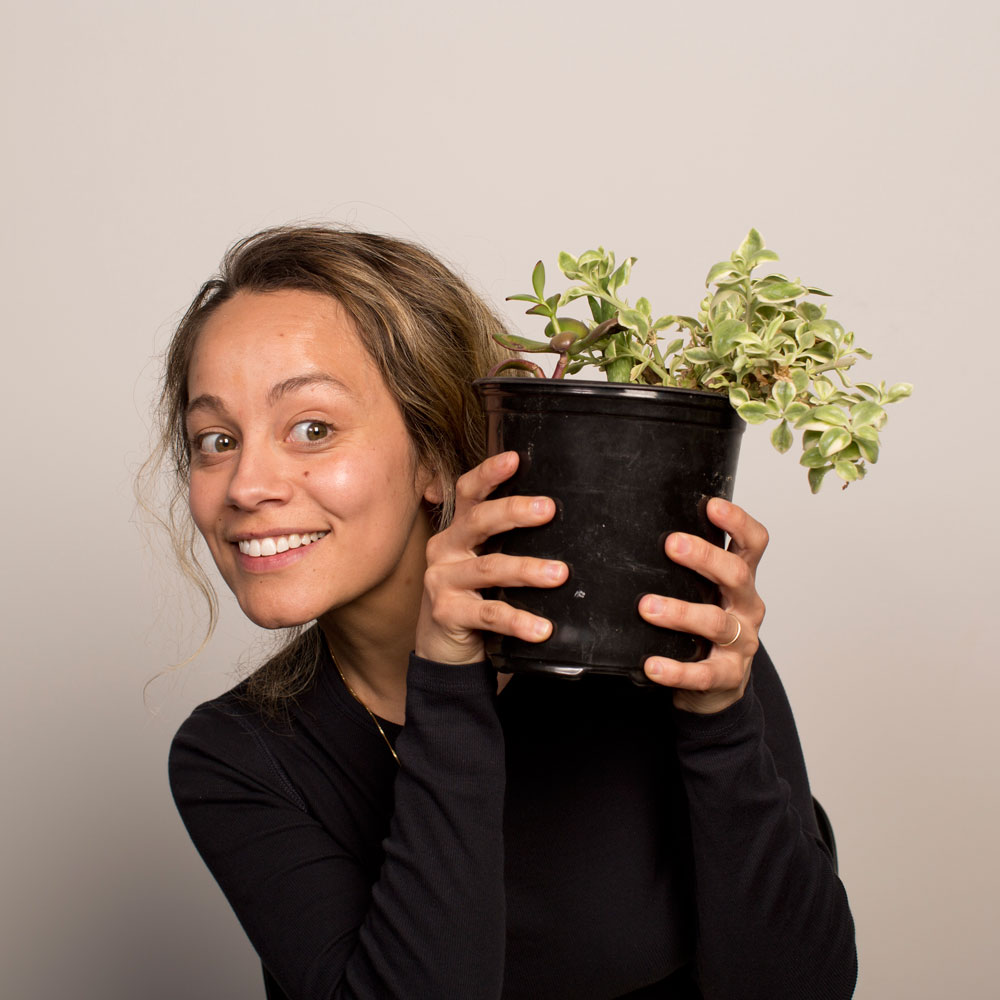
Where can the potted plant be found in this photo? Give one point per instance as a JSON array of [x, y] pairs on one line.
[[633, 458]]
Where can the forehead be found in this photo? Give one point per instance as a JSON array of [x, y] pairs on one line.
[[276, 335]]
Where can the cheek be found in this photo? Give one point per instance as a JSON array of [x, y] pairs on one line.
[[203, 501]]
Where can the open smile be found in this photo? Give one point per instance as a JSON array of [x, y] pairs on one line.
[[275, 544]]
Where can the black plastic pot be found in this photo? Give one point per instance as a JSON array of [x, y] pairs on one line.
[[626, 466]]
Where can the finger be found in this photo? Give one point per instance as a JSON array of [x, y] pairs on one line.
[[727, 569], [707, 620], [478, 483], [748, 537], [724, 674], [467, 613], [491, 517], [497, 570]]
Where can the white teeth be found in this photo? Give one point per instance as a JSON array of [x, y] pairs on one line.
[[256, 547]]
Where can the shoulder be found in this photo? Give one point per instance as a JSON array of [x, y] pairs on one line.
[[227, 745]]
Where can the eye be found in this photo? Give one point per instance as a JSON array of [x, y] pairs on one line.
[[309, 431], [215, 442]]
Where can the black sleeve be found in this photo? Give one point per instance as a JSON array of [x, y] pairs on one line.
[[773, 918], [433, 925]]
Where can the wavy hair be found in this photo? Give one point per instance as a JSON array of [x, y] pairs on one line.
[[428, 334]]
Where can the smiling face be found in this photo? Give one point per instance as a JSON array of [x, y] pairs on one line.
[[304, 481]]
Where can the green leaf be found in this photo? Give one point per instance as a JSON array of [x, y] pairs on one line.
[[800, 380], [522, 297], [634, 320], [812, 459], [827, 415], [698, 355], [783, 393], [868, 413], [899, 391], [847, 471], [823, 387], [726, 334], [726, 267], [834, 440], [868, 448], [780, 291], [753, 413], [673, 347], [752, 245], [514, 343], [567, 264], [761, 257], [538, 280], [866, 432], [869, 390], [795, 410], [816, 477], [738, 396], [572, 294], [542, 309], [781, 437], [568, 325], [810, 439]]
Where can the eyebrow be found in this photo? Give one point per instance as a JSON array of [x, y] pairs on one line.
[[206, 401]]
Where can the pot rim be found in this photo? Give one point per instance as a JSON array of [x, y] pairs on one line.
[[589, 387]]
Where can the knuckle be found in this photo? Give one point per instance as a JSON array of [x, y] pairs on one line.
[[703, 678], [490, 613], [742, 574], [487, 566]]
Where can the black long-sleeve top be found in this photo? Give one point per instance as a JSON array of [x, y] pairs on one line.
[[565, 839]]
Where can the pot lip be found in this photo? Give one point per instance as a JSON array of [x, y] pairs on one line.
[[589, 387]]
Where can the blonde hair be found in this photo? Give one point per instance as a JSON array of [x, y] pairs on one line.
[[428, 333]]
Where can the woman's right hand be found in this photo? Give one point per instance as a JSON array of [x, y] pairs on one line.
[[453, 613]]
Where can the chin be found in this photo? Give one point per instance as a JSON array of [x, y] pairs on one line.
[[275, 618]]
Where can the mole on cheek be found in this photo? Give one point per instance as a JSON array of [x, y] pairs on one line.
[[305, 475]]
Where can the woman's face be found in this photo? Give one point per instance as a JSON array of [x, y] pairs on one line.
[[304, 481]]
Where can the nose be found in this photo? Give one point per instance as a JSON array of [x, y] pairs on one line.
[[259, 477]]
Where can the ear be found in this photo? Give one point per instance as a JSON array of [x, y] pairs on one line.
[[434, 489]]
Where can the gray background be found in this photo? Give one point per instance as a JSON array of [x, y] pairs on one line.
[[142, 138]]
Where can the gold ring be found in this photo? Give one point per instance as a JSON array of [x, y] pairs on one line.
[[739, 631]]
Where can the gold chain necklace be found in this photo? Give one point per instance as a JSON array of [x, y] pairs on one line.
[[378, 725]]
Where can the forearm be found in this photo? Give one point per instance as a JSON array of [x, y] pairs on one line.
[[437, 924], [773, 918]]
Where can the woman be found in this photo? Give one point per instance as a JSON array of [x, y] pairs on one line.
[[540, 839]]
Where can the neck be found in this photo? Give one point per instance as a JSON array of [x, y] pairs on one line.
[[371, 638]]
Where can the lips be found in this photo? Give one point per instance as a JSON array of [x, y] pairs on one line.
[[275, 544]]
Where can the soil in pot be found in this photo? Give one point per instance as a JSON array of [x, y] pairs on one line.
[[626, 465]]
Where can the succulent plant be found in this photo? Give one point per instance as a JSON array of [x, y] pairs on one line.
[[778, 356]]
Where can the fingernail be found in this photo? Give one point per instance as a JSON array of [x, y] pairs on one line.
[[542, 628], [652, 605], [721, 506], [653, 669], [554, 570], [681, 544], [540, 505]]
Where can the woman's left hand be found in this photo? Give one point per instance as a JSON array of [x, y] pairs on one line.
[[710, 685]]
